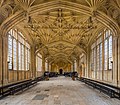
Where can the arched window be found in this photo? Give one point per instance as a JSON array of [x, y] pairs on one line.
[[18, 51], [102, 47]]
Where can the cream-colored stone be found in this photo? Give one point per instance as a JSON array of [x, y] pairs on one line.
[[62, 91]]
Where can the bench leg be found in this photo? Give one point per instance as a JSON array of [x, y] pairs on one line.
[[12, 92], [119, 95], [111, 94]]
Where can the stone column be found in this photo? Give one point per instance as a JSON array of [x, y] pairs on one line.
[[115, 60], [43, 64], [5, 57], [72, 67], [4, 53], [83, 69], [33, 61], [48, 65], [78, 67], [85, 66], [119, 59], [75, 65], [88, 63], [1, 59]]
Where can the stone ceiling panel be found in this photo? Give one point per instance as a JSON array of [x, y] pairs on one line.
[[60, 32]]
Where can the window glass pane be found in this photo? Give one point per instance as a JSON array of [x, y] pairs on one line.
[[105, 54], [110, 52], [28, 65], [14, 54], [100, 56], [22, 55], [9, 52], [92, 60], [19, 58], [15, 34], [38, 62], [10, 32], [98, 59], [107, 34], [94, 56], [26, 58], [46, 66]]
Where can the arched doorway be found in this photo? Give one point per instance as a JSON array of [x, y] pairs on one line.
[[60, 71]]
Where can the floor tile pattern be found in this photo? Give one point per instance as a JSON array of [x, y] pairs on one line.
[[60, 91]]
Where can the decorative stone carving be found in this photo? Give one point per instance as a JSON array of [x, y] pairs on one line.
[[60, 46], [115, 14], [60, 24]]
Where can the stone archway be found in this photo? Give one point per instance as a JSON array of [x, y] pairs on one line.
[[60, 71], [21, 15]]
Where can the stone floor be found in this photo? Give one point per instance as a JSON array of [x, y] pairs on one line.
[[60, 91]]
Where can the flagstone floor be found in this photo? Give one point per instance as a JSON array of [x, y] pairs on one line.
[[60, 91]]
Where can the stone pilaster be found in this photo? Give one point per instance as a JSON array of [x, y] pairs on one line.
[[43, 64], [48, 66], [115, 60], [0, 59], [88, 71], [75, 65], [33, 62], [4, 54], [72, 67], [85, 66], [78, 67], [119, 59]]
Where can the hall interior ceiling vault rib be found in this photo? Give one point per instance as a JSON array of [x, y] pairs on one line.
[[60, 33]]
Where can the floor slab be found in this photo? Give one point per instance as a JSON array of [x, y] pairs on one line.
[[60, 91]]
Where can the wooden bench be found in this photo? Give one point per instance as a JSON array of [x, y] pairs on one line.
[[53, 74], [112, 91], [67, 74], [5, 91], [15, 87], [41, 78], [20, 87]]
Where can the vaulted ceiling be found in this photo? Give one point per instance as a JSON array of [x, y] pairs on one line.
[[58, 31]]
